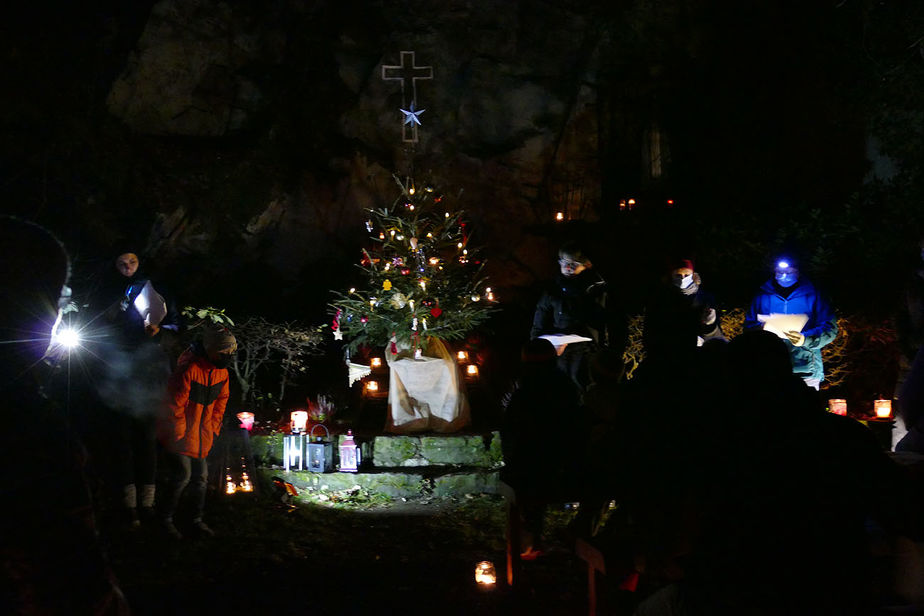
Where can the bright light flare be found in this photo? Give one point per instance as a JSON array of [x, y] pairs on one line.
[[67, 338]]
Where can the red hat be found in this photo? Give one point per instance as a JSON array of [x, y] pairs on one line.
[[684, 263]]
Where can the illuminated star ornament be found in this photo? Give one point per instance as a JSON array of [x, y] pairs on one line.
[[411, 116]]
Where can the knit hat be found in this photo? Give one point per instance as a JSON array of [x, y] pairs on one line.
[[684, 264], [219, 341]]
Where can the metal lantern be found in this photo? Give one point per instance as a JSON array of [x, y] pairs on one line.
[[350, 456], [838, 406], [293, 451], [320, 451]]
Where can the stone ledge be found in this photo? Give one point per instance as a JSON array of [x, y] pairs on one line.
[[445, 450], [404, 451], [394, 483]]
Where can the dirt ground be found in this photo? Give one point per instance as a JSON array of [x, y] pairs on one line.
[[407, 557]]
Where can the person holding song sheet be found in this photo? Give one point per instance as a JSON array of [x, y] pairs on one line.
[[792, 308], [574, 315]]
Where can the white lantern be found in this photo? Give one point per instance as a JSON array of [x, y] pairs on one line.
[[350, 456]]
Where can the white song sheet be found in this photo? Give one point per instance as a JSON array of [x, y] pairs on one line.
[[150, 305], [778, 324], [560, 341]]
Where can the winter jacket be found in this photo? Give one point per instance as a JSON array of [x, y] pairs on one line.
[[577, 305], [819, 330], [673, 315], [198, 393]]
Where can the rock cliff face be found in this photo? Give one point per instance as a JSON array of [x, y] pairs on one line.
[[241, 141], [306, 133]]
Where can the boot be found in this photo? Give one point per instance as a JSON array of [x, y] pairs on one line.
[[129, 501], [171, 530], [147, 502], [202, 529]]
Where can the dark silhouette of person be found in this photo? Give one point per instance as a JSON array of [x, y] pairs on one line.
[[784, 519], [909, 330], [912, 407], [544, 400], [51, 556]]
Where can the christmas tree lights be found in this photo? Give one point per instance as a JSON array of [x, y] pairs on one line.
[[422, 278]]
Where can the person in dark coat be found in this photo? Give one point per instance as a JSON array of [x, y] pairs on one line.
[[544, 399], [133, 377], [790, 294], [680, 306], [912, 407], [50, 550], [577, 303], [785, 531]]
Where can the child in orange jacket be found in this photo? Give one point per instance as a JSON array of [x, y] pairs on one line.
[[197, 396]]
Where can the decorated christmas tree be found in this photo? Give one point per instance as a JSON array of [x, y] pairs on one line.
[[422, 280]]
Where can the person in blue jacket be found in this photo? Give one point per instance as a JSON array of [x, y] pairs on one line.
[[788, 293]]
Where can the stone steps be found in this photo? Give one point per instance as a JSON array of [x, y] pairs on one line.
[[394, 483], [399, 466]]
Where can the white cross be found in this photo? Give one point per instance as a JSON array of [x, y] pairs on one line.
[[408, 74]]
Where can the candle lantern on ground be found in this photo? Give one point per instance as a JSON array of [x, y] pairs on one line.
[[320, 451], [485, 574], [293, 454], [230, 486], [838, 406], [350, 456], [246, 485], [299, 421], [883, 408], [246, 419], [471, 371]]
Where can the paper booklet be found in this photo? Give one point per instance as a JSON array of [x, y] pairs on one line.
[[150, 305], [780, 323], [560, 341]]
